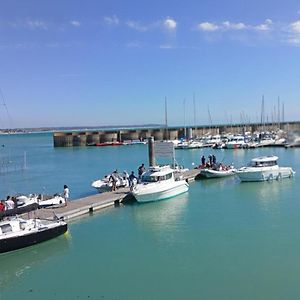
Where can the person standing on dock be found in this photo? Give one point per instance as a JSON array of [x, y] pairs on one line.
[[141, 170], [114, 178], [2, 205], [203, 160], [66, 194], [132, 178]]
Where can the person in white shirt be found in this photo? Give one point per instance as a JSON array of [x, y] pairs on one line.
[[9, 203], [66, 194]]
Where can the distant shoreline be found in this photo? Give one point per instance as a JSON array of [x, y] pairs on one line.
[[121, 127], [73, 128]]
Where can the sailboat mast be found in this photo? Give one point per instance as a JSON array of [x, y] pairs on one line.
[[194, 103], [262, 117], [210, 120], [166, 119], [184, 118], [278, 111]]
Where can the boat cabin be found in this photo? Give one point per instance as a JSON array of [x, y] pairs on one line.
[[264, 161], [156, 174], [11, 226]]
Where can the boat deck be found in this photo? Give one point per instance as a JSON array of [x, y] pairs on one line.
[[87, 205]]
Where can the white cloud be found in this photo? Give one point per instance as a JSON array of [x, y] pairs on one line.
[[206, 26], [266, 26], [295, 26], [234, 26], [75, 23], [227, 25], [134, 44], [294, 33], [36, 24], [137, 26], [170, 24], [111, 20], [294, 40]]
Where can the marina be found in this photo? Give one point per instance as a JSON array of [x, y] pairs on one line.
[[217, 221], [149, 150], [90, 204]]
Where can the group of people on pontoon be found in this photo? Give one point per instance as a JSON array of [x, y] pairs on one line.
[[9, 203], [211, 163]]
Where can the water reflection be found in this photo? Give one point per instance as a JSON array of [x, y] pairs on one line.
[[218, 182], [15, 264], [166, 214], [268, 194]]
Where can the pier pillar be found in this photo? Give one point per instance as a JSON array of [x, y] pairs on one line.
[[151, 151]]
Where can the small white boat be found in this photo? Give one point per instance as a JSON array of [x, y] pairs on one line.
[[50, 200], [264, 168], [192, 144], [159, 183], [41, 200], [24, 204], [216, 172], [17, 233], [105, 184], [236, 142]]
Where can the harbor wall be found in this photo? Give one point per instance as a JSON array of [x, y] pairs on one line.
[[86, 138]]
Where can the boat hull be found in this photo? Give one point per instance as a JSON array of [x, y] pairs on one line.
[[149, 195], [265, 175], [207, 173], [19, 210], [22, 241]]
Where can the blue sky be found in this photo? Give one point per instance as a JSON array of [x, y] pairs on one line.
[[73, 63]]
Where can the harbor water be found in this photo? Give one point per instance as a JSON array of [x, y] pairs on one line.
[[222, 240]]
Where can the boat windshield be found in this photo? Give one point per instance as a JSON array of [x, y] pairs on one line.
[[263, 163], [153, 178]]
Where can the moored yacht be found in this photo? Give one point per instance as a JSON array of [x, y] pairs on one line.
[[236, 142], [17, 233], [159, 183], [264, 168]]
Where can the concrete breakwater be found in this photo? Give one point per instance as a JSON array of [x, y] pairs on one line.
[[85, 138]]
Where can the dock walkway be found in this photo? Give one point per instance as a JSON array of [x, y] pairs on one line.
[[87, 205]]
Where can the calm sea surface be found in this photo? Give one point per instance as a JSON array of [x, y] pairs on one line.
[[221, 240]]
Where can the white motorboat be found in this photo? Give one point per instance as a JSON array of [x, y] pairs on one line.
[[219, 172], [236, 142], [192, 144], [50, 200], [264, 168], [159, 183], [23, 204], [105, 184], [41, 200], [17, 233]]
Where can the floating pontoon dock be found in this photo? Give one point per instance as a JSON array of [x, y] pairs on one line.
[[88, 205]]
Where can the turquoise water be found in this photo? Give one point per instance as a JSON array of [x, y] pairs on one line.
[[221, 240]]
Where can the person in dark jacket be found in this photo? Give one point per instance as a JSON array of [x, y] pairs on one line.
[[132, 177]]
